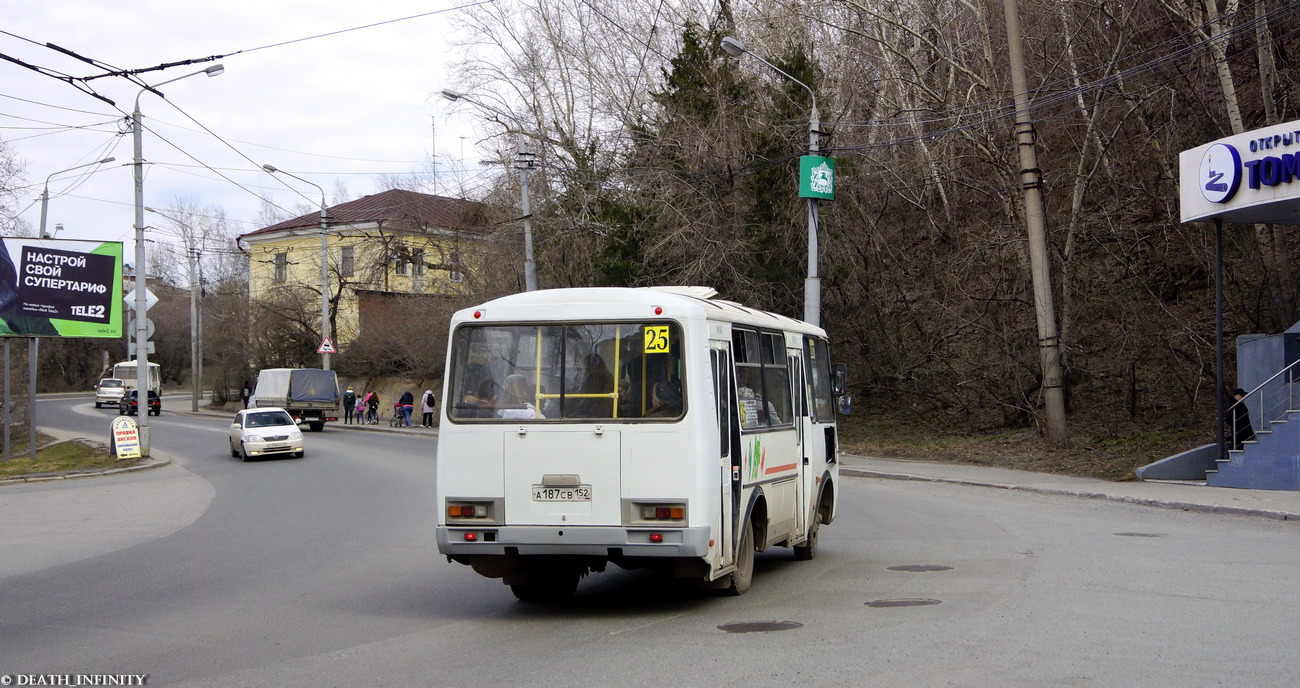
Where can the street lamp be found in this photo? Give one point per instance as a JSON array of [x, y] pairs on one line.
[[524, 162], [141, 323], [324, 267], [45, 194], [34, 343], [812, 290]]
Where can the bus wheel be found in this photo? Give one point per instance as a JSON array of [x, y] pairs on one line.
[[744, 573], [808, 550], [316, 425], [554, 587]]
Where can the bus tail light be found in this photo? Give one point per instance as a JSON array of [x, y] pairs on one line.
[[472, 511], [663, 513], [660, 513]]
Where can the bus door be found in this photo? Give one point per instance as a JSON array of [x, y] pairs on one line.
[[728, 443], [803, 432]]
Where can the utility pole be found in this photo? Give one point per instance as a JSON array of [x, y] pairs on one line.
[[1031, 179]]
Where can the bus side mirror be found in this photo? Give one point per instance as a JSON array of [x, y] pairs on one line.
[[839, 383]]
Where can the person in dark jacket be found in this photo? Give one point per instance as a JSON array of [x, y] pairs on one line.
[[407, 402], [372, 409], [1239, 416], [349, 405]]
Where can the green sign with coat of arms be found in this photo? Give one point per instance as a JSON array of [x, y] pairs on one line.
[[816, 177]]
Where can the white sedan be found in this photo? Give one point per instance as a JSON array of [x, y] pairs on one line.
[[265, 432]]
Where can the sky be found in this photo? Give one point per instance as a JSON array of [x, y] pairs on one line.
[[342, 108]]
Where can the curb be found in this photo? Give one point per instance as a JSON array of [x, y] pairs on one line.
[[1140, 501], [154, 462]]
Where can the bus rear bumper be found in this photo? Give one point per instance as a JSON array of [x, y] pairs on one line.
[[600, 541]]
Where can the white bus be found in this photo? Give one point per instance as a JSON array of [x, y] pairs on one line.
[[125, 371], [652, 428]]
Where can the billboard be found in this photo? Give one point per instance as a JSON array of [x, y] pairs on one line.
[[60, 288]]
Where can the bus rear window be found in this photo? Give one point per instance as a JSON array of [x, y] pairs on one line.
[[566, 372]]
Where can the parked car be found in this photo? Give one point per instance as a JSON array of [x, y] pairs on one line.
[[265, 432], [129, 404], [109, 391]]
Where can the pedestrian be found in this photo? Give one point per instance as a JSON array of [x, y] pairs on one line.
[[361, 409], [245, 393], [407, 404], [349, 405], [372, 409], [427, 402], [1242, 431]]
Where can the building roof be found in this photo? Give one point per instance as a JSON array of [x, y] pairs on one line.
[[406, 210]]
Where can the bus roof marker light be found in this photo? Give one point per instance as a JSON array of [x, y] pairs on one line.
[[478, 314], [659, 310]]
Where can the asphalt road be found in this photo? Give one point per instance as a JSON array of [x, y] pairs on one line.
[[322, 571]]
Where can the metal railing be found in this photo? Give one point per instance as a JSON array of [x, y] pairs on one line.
[[1267, 407]]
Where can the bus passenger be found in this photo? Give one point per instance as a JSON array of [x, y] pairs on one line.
[[517, 393], [667, 401], [595, 380], [483, 405]]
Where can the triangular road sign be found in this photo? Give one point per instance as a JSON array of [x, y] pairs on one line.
[[326, 347]]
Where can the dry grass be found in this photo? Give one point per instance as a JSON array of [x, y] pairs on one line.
[[1093, 452], [54, 458]]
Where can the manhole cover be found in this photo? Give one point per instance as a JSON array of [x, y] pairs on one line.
[[905, 602], [1139, 534], [760, 626], [921, 568]]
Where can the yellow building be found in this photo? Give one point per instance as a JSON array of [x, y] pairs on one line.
[[379, 248]]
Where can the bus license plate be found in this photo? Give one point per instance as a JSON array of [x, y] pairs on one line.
[[570, 493]]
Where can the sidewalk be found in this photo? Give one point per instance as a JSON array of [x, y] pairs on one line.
[[1188, 496], [1273, 504]]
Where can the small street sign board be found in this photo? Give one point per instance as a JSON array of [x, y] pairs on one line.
[[130, 349], [326, 347], [126, 438], [149, 299], [148, 330]]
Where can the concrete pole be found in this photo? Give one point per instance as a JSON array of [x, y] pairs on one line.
[[812, 284], [1049, 342], [525, 161], [194, 332], [141, 306]]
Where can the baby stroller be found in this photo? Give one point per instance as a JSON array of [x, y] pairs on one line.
[[397, 420]]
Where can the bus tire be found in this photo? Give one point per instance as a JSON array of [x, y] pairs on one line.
[[316, 425], [744, 573], [808, 550]]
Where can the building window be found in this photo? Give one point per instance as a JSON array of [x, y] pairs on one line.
[[456, 274], [417, 263], [349, 265], [281, 267], [399, 258]]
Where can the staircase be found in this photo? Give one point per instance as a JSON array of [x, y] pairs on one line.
[[1272, 460]]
